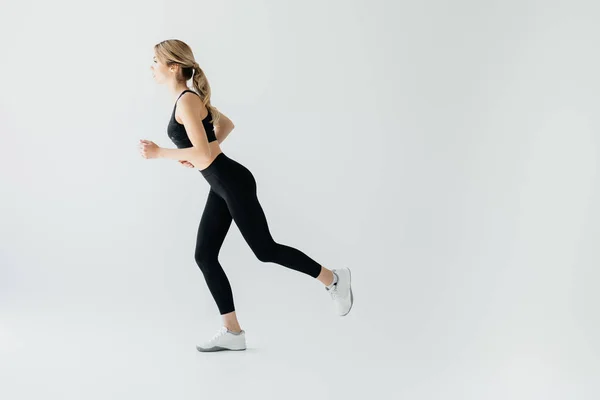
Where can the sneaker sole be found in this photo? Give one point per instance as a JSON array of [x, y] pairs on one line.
[[351, 295], [216, 348]]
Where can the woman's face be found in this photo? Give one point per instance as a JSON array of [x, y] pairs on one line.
[[160, 72]]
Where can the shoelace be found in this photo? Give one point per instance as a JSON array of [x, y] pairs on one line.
[[220, 332], [333, 292]]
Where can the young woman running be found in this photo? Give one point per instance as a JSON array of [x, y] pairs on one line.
[[197, 128]]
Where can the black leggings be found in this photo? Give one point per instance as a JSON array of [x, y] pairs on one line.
[[232, 195]]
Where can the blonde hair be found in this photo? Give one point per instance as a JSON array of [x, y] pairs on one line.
[[175, 51]]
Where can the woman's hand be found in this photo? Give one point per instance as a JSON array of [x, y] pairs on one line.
[[186, 164], [149, 149]]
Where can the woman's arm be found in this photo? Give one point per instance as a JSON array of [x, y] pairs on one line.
[[194, 153], [188, 153], [224, 128]]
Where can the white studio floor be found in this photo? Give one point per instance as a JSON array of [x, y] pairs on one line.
[[78, 353]]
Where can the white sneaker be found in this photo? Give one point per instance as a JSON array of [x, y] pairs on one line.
[[224, 339], [341, 292]]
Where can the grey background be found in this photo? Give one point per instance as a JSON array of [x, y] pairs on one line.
[[447, 152]]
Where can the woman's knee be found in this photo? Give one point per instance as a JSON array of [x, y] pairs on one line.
[[265, 252], [204, 260]]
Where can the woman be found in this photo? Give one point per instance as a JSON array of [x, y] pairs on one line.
[[197, 128]]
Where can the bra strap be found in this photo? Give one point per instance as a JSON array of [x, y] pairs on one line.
[[182, 93]]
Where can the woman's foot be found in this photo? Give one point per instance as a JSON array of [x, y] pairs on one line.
[[341, 291], [224, 339]]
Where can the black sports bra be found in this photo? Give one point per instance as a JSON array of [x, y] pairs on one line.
[[177, 132]]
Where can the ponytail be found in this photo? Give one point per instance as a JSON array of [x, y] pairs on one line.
[[203, 88]]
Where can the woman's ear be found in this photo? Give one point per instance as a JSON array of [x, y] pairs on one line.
[[174, 68]]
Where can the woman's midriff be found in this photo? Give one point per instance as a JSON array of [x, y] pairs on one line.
[[215, 150]]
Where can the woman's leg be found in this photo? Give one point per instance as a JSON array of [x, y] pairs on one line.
[[213, 228], [247, 212]]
